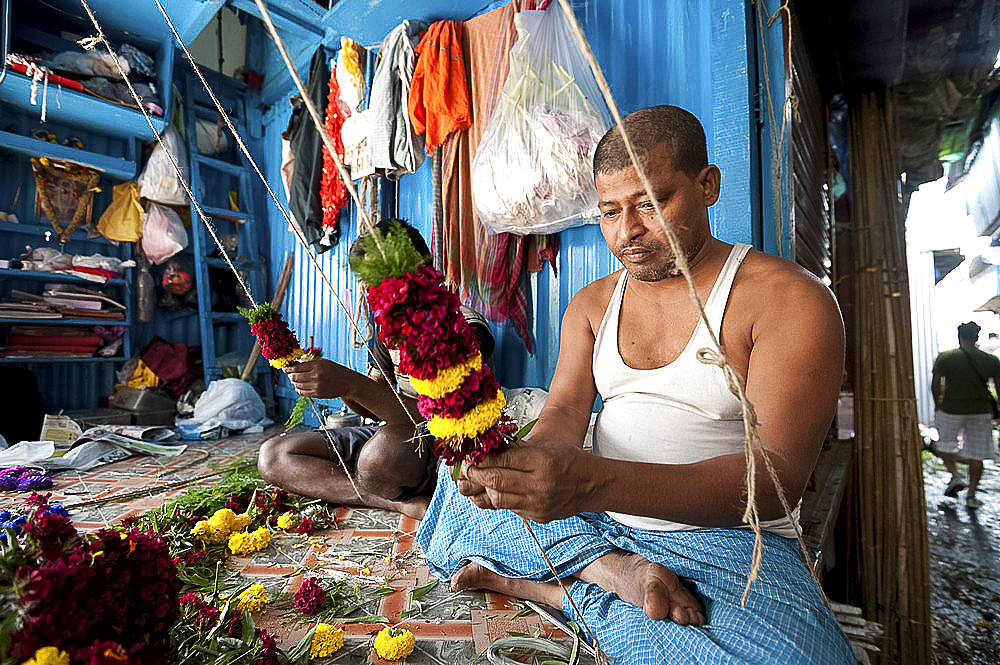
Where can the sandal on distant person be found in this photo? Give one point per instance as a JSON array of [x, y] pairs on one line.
[[954, 487], [972, 503]]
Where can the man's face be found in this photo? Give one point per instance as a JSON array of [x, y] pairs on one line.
[[631, 226]]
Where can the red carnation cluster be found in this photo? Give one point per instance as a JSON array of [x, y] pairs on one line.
[[417, 314], [310, 596], [112, 592], [275, 337]]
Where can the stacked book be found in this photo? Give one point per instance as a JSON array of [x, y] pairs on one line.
[[53, 341], [73, 302]]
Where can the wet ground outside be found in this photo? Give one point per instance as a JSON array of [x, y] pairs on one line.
[[964, 567]]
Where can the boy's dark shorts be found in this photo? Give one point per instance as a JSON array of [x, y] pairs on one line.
[[349, 441]]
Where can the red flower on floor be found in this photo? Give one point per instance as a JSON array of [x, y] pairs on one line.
[[310, 596]]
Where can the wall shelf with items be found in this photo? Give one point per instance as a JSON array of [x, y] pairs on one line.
[[89, 97], [115, 167]]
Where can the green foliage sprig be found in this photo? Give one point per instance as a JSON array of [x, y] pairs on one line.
[[400, 258]]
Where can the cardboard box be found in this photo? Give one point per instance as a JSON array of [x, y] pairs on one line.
[[95, 417], [139, 399], [158, 417]]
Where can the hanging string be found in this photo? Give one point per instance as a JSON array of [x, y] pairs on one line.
[[792, 101], [90, 44], [752, 444]]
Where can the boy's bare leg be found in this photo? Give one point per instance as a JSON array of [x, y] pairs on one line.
[[300, 463], [631, 577]]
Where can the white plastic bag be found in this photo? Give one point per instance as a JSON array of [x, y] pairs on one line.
[[231, 403], [163, 233], [158, 181], [533, 170]]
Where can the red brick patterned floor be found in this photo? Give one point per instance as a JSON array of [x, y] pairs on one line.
[[369, 547]]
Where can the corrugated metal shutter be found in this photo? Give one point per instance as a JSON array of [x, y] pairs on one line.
[[810, 219]]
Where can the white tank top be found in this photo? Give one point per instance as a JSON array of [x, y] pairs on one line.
[[680, 413]]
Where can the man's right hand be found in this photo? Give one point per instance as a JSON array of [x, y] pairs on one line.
[[321, 378]]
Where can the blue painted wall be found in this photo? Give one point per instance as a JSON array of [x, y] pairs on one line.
[[703, 55], [692, 54]]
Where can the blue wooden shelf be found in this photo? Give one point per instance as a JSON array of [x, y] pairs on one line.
[[57, 277], [107, 323], [39, 359], [80, 109], [115, 167]]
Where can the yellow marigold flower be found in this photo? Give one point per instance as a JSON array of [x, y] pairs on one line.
[[245, 543], [288, 521], [50, 656], [253, 599], [241, 521], [284, 361], [448, 380], [472, 424], [326, 641], [394, 643], [222, 520]]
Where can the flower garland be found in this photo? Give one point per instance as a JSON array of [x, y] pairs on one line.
[[416, 313], [332, 191], [280, 347]]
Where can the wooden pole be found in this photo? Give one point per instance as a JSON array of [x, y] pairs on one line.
[[893, 550], [279, 295]]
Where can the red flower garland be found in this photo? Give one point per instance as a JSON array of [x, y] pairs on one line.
[[333, 192]]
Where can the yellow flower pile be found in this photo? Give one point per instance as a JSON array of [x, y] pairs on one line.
[[326, 641], [288, 521], [253, 599], [219, 526], [245, 543], [394, 643], [48, 656]]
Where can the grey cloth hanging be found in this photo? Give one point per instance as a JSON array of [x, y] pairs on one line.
[[307, 149], [395, 148]]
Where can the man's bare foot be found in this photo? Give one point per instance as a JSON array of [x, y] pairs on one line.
[[475, 576], [651, 586]]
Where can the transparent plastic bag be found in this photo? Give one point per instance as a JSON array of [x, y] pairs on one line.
[[158, 181], [533, 171], [163, 233]]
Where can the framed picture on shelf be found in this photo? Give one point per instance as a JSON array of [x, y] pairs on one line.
[[64, 193]]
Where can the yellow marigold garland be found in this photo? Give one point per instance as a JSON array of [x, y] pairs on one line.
[[447, 380], [472, 424]]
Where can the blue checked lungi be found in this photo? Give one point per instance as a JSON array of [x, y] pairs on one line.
[[785, 620]]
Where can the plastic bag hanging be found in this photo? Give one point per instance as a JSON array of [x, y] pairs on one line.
[[533, 172], [159, 181]]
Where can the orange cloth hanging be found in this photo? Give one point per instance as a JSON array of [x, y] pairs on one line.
[[439, 92]]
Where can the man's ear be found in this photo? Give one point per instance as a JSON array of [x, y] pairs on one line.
[[709, 180]]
